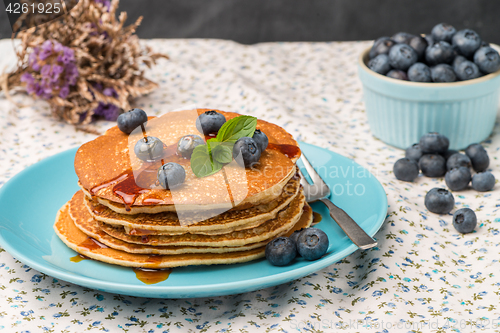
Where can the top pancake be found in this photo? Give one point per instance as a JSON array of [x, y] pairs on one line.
[[104, 162]]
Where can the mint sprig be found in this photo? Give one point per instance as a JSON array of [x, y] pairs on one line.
[[210, 158], [202, 162]]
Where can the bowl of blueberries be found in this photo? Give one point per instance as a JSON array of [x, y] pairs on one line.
[[447, 81]]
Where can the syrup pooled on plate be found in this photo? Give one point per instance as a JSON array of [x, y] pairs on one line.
[[78, 258], [152, 276], [145, 275], [317, 217]]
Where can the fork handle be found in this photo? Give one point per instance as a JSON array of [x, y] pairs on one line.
[[357, 235]]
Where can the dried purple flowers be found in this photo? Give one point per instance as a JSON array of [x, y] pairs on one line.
[[54, 70], [85, 64]]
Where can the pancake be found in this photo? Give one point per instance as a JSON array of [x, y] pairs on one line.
[[283, 222], [77, 240], [104, 164], [168, 222], [86, 223]]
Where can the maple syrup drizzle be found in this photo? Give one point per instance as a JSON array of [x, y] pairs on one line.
[[141, 232], [128, 188], [152, 276], [210, 136], [301, 222], [290, 151], [154, 259], [145, 239], [98, 209], [305, 215], [112, 182], [144, 133], [78, 258], [92, 244]]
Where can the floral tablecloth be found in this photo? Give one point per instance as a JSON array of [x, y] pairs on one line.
[[423, 276]]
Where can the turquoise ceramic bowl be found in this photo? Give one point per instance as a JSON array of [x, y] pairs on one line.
[[400, 112]]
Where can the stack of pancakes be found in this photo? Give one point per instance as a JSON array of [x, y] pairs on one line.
[[121, 215]]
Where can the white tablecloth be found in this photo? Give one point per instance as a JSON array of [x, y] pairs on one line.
[[423, 276]]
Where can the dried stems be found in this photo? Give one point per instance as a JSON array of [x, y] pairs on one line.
[[108, 57]]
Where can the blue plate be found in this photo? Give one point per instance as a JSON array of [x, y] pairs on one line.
[[30, 200]]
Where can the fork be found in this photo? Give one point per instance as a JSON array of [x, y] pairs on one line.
[[318, 190]]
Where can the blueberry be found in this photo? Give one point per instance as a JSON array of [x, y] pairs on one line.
[[464, 220], [397, 74], [150, 150], [246, 151], [419, 72], [458, 179], [380, 64], [443, 32], [405, 169], [210, 122], [381, 46], [483, 181], [457, 61], [439, 53], [487, 59], [458, 160], [413, 152], [478, 157], [402, 37], [419, 44], [402, 56], [187, 143], [281, 251], [261, 139], [439, 201], [295, 235], [432, 165], [312, 243], [467, 70], [448, 153], [433, 143], [129, 121], [171, 175], [443, 73], [467, 41]]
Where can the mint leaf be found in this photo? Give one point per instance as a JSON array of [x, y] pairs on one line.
[[236, 128], [222, 152], [202, 163], [211, 143]]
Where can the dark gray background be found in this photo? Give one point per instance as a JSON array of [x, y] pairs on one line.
[[253, 21]]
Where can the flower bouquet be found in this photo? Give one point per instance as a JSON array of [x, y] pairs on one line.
[[86, 64]]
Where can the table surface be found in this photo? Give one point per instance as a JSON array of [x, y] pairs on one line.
[[422, 276]]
